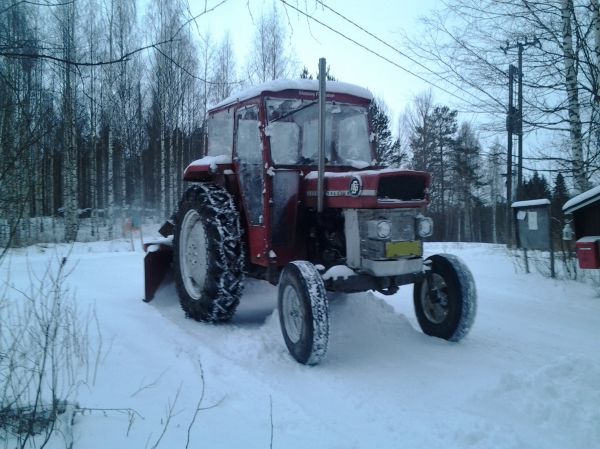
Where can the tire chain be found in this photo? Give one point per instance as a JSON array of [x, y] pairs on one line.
[[230, 258]]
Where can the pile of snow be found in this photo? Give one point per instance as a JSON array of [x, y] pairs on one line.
[[559, 401], [527, 376], [338, 271]]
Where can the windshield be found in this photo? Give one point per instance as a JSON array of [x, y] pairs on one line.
[[293, 131]]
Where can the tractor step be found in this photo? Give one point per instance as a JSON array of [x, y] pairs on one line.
[[157, 263]]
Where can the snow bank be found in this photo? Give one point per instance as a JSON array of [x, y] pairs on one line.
[[560, 399]]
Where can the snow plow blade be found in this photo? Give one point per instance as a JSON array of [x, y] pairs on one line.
[[157, 264]]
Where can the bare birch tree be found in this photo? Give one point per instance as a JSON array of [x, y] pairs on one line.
[[269, 57], [173, 72], [471, 44], [70, 191], [223, 80], [567, 11]]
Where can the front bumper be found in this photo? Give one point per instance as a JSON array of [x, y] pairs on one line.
[[382, 268]]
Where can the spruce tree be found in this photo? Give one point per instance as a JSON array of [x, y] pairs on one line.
[[560, 195], [464, 179], [387, 149], [534, 188], [305, 75]]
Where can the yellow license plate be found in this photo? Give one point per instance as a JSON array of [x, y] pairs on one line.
[[403, 249]]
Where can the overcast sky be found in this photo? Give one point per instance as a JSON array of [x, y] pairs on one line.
[[349, 62]]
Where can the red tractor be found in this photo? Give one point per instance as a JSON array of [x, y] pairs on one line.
[[289, 192]]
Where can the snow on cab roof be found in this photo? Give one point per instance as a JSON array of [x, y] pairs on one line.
[[299, 84], [581, 200]]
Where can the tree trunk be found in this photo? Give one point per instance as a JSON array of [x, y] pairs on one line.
[[468, 236], [70, 197], [163, 177], [110, 190], [140, 150], [596, 20], [578, 167], [596, 100]]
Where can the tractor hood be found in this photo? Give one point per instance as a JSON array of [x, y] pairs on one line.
[[370, 189]]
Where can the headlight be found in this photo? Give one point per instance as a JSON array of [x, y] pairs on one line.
[[384, 229], [379, 229], [424, 226]]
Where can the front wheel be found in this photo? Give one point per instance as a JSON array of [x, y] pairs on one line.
[[303, 312], [446, 301]]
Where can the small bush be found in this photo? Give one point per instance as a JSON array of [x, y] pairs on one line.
[[44, 353]]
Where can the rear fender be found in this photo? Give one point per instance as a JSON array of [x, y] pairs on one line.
[[208, 169]]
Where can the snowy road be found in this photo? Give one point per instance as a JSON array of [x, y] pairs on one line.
[[527, 376]]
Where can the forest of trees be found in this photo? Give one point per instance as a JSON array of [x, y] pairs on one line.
[[102, 105]]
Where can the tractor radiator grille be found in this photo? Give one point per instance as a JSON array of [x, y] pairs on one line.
[[402, 188]]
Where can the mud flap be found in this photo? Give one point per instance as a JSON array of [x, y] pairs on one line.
[[157, 264]]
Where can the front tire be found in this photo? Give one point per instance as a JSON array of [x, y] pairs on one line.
[[303, 312], [208, 254], [447, 308]]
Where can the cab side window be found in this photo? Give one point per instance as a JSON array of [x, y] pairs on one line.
[[248, 146]]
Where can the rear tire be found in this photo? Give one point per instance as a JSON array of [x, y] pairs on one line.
[[303, 312], [208, 254], [450, 312]]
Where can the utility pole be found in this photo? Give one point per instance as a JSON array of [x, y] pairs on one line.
[[518, 118], [510, 122], [520, 121], [514, 123]]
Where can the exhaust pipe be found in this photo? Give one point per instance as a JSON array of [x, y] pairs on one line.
[[322, 99]]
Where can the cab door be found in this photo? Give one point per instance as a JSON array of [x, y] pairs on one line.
[[249, 164]]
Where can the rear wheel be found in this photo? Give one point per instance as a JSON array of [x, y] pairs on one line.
[[446, 301], [208, 254], [303, 312]]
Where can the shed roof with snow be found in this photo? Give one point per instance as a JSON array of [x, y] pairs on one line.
[[530, 203], [584, 199], [586, 212]]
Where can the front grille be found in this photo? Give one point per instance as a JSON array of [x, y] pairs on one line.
[[404, 188]]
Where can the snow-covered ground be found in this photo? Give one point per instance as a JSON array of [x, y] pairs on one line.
[[527, 376]]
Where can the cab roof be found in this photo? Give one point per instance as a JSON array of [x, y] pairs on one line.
[[299, 84]]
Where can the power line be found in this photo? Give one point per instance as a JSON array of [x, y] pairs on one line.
[[379, 55], [401, 53]]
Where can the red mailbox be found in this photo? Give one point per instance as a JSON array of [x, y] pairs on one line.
[[587, 252]]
